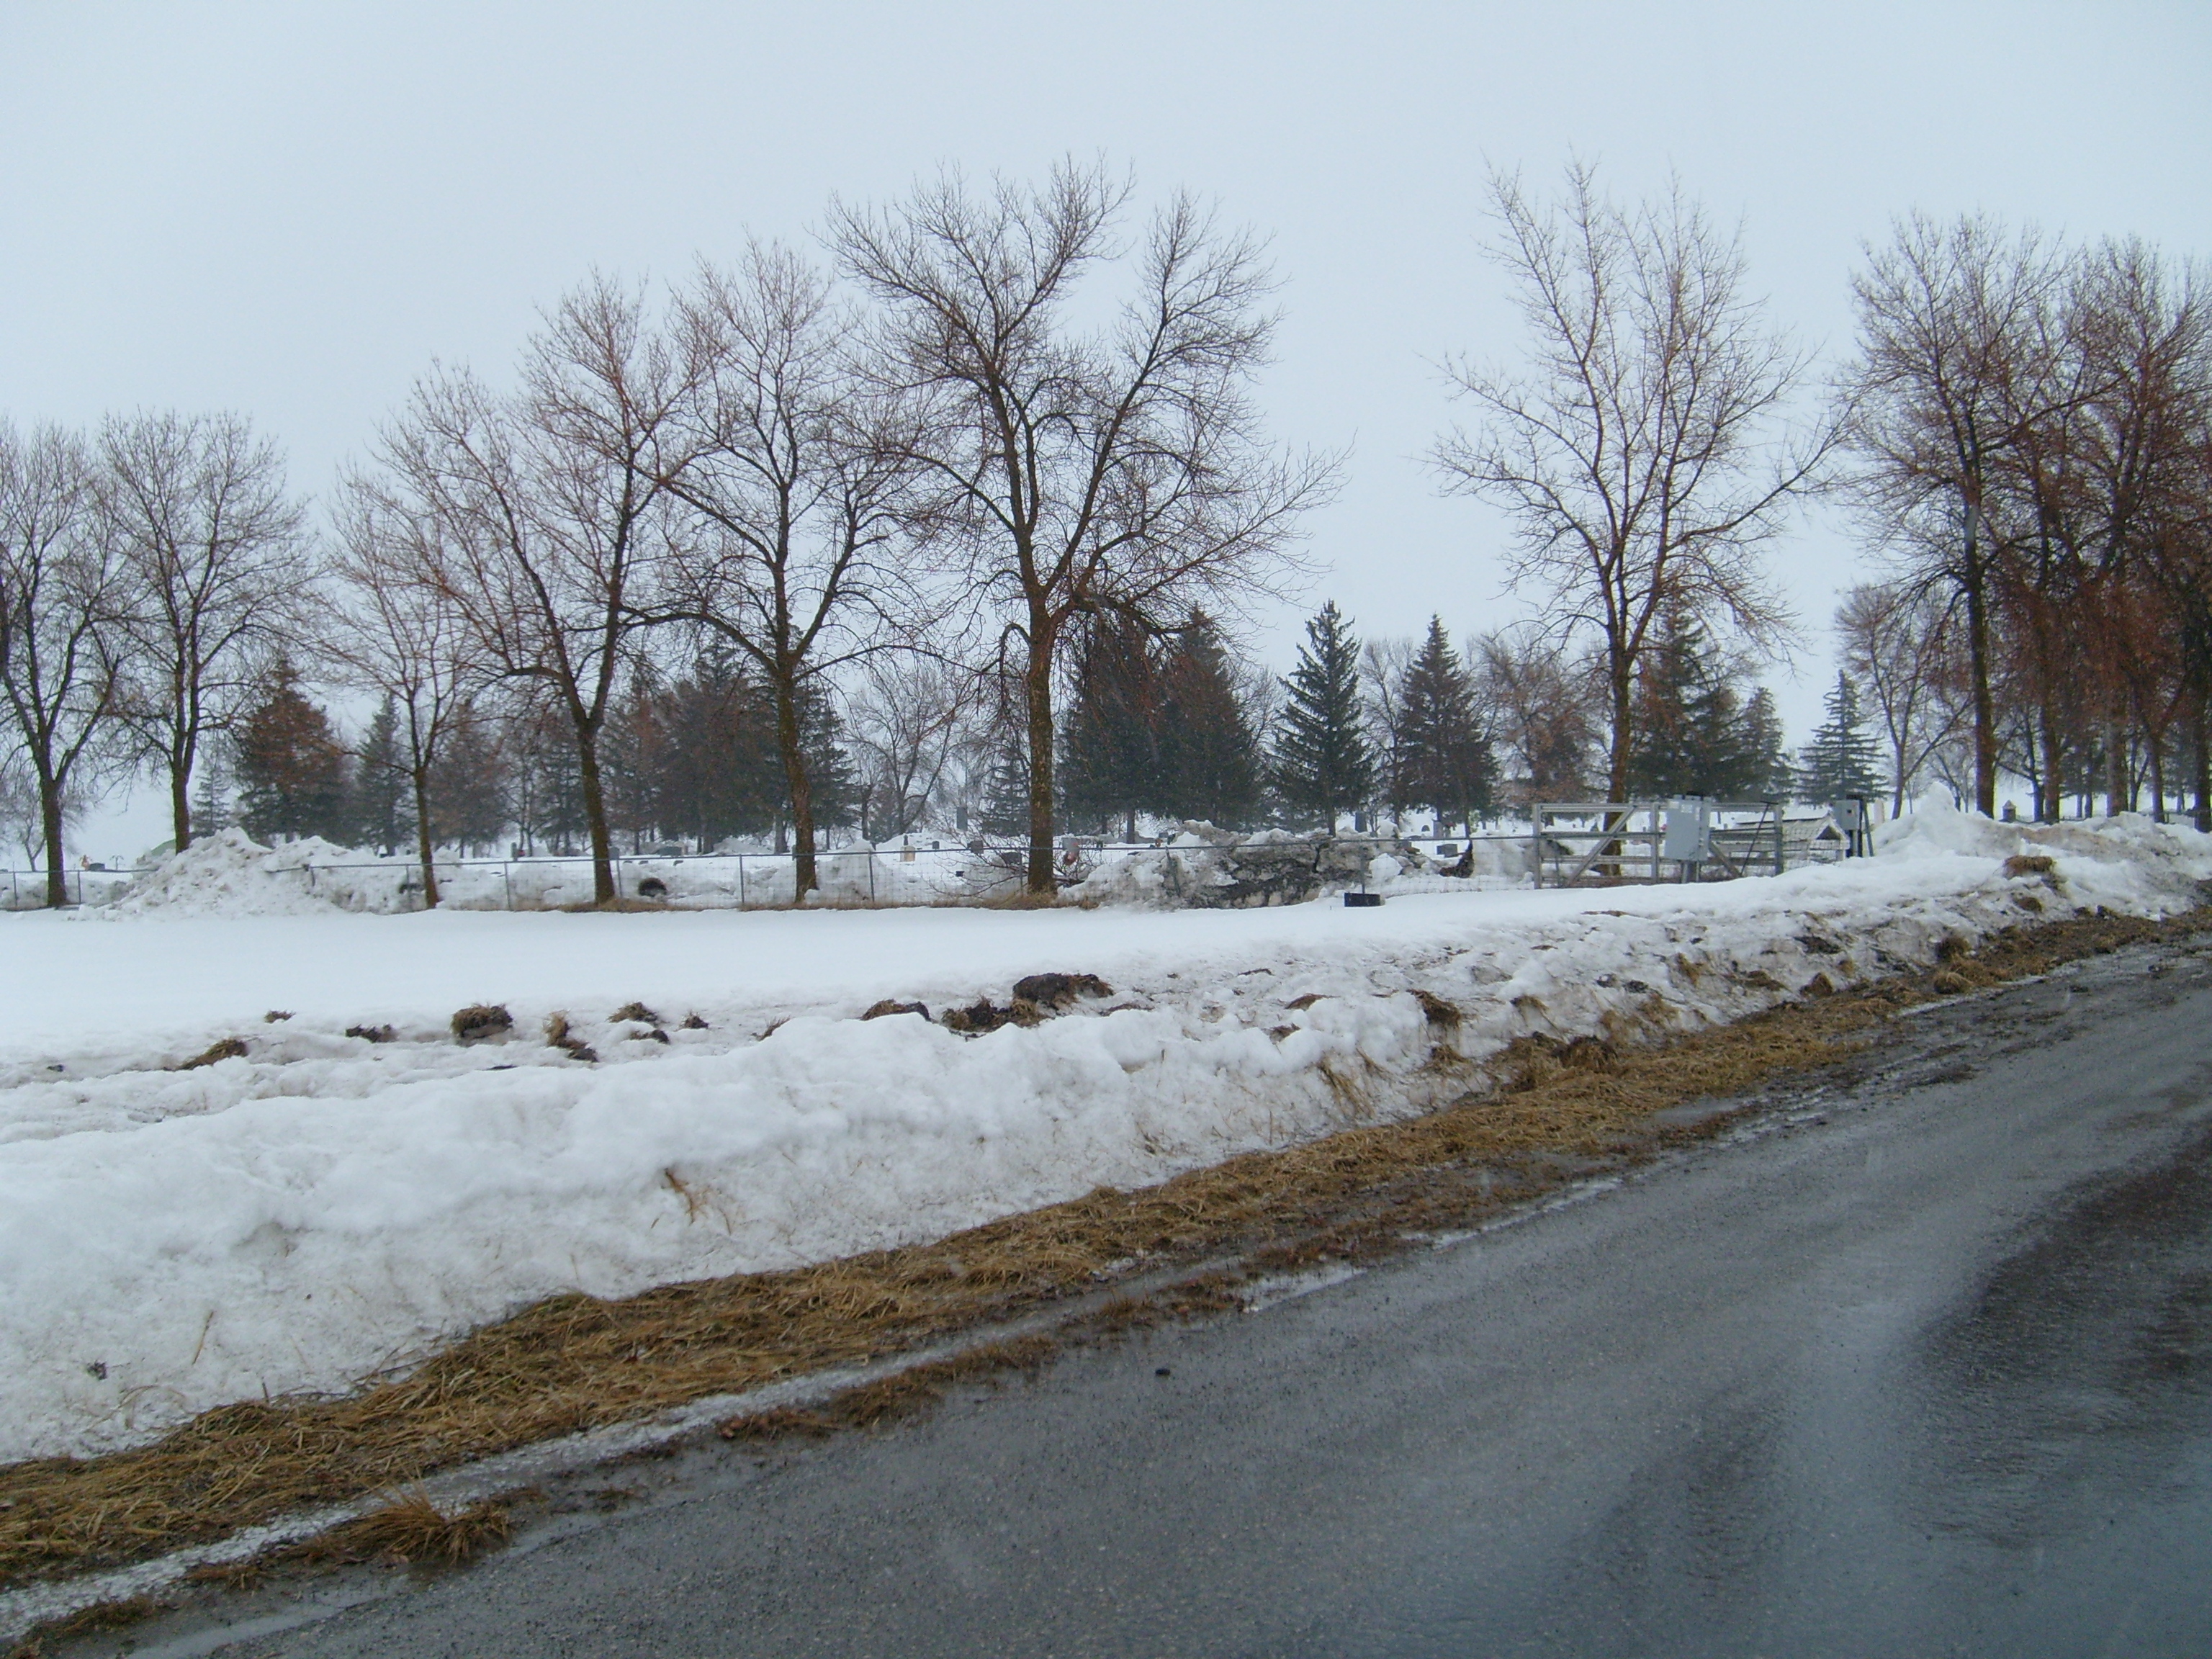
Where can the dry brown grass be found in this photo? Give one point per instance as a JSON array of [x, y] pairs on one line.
[[573, 1363], [223, 1049], [558, 1035], [481, 1020], [890, 1399], [412, 1531]]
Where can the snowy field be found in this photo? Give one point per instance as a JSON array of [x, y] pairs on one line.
[[323, 1207]]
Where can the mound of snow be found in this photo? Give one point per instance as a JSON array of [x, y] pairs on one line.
[[325, 1204], [1936, 827], [230, 874], [2130, 845]]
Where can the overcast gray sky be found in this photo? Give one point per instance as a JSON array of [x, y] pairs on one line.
[[289, 209]]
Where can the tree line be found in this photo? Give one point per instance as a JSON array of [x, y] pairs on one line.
[[935, 527], [2031, 424], [1168, 725], [942, 444], [2022, 433]]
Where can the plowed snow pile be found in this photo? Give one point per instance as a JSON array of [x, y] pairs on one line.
[[229, 874], [325, 1204]]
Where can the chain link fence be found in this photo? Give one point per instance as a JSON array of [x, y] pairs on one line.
[[1565, 844]]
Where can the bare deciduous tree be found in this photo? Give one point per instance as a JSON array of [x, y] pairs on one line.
[[1901, 643], [2142, 333], [551, 517], [62, 640], [2183, 564], [1120, 468], [217, 563], [2026, 418], [397, 631], [1545, 708], [920, 726], [1642, 451], [1957, 368], [20, 819], [800, 486], [1383, 667]]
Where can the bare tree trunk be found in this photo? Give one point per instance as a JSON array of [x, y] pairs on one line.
[[420, 777], [2154, 769], [180, 795], [2200, 729], [1623, 690], [1037, 690], [1978, 657], [796, 779], [2051, 795], [595, 816], [49, 823]]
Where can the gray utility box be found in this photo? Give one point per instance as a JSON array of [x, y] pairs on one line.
[[1856, 820], [1689, 833]]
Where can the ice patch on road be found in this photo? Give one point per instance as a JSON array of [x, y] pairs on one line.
[[1275, 1289]]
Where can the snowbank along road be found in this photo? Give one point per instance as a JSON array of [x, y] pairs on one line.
[[1913, 1362], [246, 1157]]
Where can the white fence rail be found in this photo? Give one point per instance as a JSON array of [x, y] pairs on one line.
[[1576, 842]]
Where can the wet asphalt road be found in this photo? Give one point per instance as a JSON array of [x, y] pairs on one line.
[[1921, 1366]]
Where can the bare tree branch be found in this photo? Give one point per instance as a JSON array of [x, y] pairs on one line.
[[1642, 450], [1121, 470]]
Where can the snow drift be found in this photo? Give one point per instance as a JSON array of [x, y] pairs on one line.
[[326, 1205], [230, 874]]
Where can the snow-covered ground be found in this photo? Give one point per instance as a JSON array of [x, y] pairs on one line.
[[228, 875], [324, 1205]]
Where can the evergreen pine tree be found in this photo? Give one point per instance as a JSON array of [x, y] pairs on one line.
[[547, 803], [836, 794], [1324, 764], [632, 743], [718, 774], [1109, 754], [1768, 766], [1443, 761], [211, 787], [1005, 806], [1695, 734], [1838, 760], [1208, 766], [291, 767], [383, 815], [1663, 756], [470, 786], [1721, 766]]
